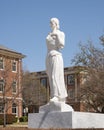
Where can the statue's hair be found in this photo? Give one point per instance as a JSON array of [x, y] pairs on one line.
[[56, 21]]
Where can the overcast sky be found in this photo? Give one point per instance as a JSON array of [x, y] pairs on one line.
[[24, 25]]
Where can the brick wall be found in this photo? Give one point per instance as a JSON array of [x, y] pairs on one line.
[[8, 75]]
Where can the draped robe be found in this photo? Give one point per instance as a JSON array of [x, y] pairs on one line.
[[54, 65]]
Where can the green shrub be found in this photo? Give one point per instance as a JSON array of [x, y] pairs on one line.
[[15, 120], [1, 121], [23, 119]]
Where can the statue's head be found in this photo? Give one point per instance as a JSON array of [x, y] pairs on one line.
[[56, 21]]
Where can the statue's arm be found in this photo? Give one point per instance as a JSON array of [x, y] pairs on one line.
[[61, 40]]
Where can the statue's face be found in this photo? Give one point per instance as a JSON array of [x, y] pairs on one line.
[[52, 25]]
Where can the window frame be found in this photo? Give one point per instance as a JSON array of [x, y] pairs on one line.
[[71, 93], [14, 66], [14, 92], [1, 108], [1, 63], [71, 79], [44, 83], [14, 109], [1, 85]]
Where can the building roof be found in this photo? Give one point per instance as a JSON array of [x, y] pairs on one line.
[[9, 52]]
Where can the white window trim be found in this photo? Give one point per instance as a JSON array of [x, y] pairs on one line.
[[12, 66], [3, 87], [16, 87], [71, 93], [69, 80], [1, 58], [1, 108], [16, 110]]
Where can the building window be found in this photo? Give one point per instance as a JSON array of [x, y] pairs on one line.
[[14, 86], [1, 85], [71, 93], [14, 108], [14, 66], [71, 79], [1, 63], [1, 108], [43, 82]]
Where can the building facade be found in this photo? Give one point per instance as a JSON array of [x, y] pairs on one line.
[[73, 79], [10, 81]]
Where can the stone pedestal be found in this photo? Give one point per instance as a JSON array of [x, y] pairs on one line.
[[61, 115], [66, 120]]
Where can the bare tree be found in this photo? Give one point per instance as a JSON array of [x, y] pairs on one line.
[[102, 40], [30, 93], [34, 94], [92, 90]]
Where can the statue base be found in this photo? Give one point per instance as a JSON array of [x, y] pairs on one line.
[[61, 115], [55, 106], [66, 120]]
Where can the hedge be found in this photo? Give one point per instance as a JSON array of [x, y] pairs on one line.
[[9, 119], [23, 119]]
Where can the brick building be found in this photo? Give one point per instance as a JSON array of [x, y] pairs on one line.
[[73, 79], [10, 81]]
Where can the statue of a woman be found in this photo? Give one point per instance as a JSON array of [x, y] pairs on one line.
[[54, 62]]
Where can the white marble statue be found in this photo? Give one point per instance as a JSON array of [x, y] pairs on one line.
[[54, 62]]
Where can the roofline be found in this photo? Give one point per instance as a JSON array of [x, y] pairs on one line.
[[7, 51]]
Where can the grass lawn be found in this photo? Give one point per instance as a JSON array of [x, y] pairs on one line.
[[19, 124]]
